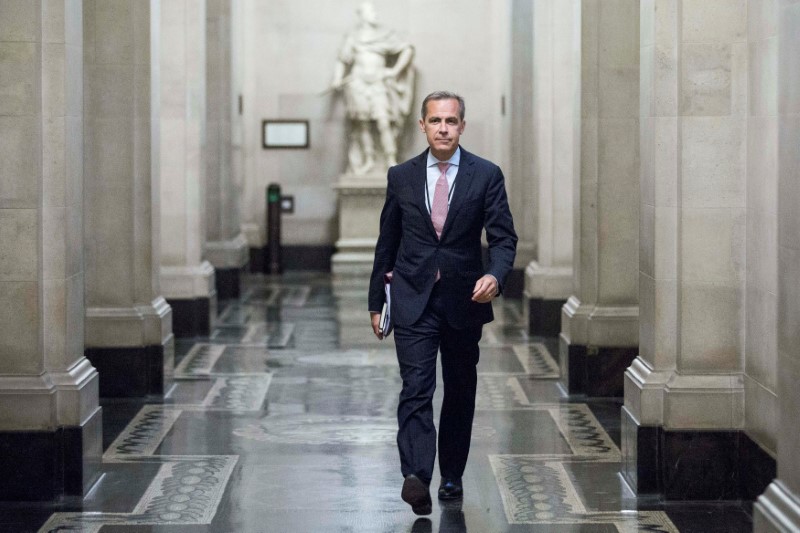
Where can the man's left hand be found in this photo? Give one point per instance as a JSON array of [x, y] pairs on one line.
[[485, 289]]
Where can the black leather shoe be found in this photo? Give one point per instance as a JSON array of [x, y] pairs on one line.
[[451, 489], [416, 493]]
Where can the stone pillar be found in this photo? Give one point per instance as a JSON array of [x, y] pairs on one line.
[[521, 185], [226, 248], [50, 421], [684, 394], [600, 321], [187, 281], [128, 323], [778, 509], [556, 104]]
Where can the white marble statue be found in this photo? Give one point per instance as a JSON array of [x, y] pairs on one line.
[[375, 74]]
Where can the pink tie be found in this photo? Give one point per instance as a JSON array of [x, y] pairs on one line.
[[439, 205]]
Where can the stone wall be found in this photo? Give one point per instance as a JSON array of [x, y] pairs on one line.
[[291, 50]]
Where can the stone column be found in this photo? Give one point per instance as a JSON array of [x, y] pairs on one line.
[[226, 248], [128, 323], [599, 322], [556, 105], [778, 509], [50, 421], [187, 281], [521, 184], [684, 394]]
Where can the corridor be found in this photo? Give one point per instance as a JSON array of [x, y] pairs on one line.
[[283, 421]]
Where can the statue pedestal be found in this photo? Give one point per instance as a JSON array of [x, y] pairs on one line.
[[361, 199]]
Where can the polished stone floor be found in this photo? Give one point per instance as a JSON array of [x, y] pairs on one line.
[[283, 421]]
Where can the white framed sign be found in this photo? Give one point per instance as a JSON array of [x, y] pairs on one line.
[[285, 133]]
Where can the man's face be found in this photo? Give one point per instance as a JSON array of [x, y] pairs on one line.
[[443, 127]]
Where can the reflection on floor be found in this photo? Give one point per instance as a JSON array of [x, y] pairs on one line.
[[283, 421]]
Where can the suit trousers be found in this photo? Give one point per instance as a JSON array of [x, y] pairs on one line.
[[417, 347]]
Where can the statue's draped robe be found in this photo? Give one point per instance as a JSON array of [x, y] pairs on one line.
[[367, 95]]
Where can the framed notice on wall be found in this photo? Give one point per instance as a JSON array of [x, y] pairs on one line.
[[284, 133]]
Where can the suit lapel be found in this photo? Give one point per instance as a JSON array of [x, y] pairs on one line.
[[419, 185], [462, 184]]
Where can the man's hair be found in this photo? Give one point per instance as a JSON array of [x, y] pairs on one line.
[[443, 95]]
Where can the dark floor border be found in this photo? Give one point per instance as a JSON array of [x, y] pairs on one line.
[[294, 257], [49, 465], [228, 282], [132, 372], [544, 317], [693, 465], [595, 371], [191, 317]]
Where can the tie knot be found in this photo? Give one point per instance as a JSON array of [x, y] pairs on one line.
[[443, 167]]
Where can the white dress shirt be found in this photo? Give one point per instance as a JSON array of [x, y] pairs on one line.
[[434, 173]]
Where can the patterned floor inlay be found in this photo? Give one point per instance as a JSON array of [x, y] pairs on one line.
[[332, 430], [262, 333], [238, 393], [144, 433], [290, 405], [205, 359], [537, 491], [498, 392], [241, 315], [537, 360], [351, 358], [200, 360], [289, 296], [365, 390], [583, 432], [186, 491]]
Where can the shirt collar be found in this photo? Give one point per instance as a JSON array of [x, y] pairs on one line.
[[454, 160]]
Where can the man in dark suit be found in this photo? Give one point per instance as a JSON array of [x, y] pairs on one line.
[[437, 205]]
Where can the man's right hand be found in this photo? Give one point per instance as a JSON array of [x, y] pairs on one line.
[[376, 324]]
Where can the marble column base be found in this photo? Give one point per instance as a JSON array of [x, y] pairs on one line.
[[699, 465], [131, 348], [50, 465], [191, 293], [228, 259], [594, 371], [777, 510], [193, 317], [361, 199], [544, 316], [547, 289], [354, 257], [228, 282], [258, 259], [134, 372], [122, 327], [515, 284]]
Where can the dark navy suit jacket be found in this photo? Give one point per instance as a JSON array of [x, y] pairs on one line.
[[408, 246]]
